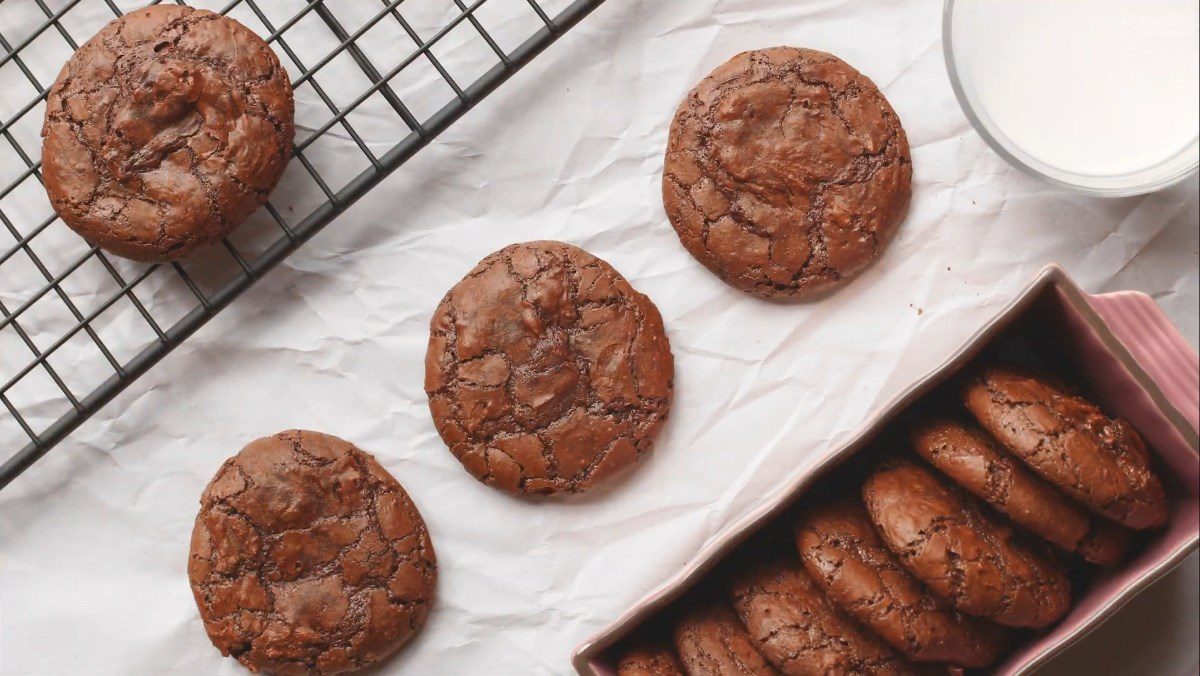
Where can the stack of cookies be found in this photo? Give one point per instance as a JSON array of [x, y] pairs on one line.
[[938, 559]]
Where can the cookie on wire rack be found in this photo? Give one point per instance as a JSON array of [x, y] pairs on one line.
[[165, 131]]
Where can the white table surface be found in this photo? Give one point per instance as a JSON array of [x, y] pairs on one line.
[[93, 539]]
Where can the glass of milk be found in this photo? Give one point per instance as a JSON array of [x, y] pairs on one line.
[[1098, 96]]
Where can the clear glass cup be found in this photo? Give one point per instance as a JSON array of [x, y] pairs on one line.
[[1167, 172]]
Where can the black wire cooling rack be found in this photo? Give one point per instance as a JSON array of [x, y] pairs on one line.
[[77, 326]]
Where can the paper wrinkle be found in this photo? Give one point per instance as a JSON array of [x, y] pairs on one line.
[[94, 538]]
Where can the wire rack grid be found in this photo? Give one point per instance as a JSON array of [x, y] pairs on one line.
[[375, 82]]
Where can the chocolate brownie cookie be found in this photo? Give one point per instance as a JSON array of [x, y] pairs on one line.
[[164, 131], [1100, 461], [711, 642], [786, 173], [799, 631], [844, 556], [972, 460], [648, 659], [964, 555], [546, 371], [308, 557]]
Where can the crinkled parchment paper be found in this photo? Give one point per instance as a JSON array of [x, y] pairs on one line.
[[93, 539]]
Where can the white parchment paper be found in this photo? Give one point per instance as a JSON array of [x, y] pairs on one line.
[[93, 539]]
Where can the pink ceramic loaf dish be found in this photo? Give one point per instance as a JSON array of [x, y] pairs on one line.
[[1119, 348]]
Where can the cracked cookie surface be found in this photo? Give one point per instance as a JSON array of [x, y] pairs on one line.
[[307, 557], [973, 460], [974, 561], [845, 557], [712, 642], [1098, 460], [546, 371], [648, 659], [797, 629], [786, 173], [165, 131]]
